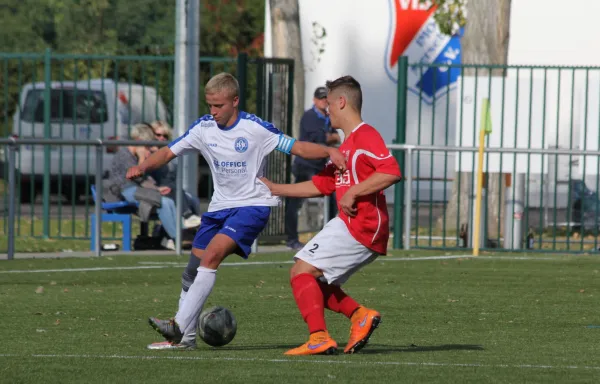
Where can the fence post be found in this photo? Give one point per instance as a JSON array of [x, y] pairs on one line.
[[47, 135], [261, 108], [11, 201], [178, 206], [242, 75], [408, 198], [290, 118], [400, 139], [98, 200]]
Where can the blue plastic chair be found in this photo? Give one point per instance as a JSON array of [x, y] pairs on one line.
[[116, 212]]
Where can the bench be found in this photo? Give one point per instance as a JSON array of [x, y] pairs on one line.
[[117, 212]]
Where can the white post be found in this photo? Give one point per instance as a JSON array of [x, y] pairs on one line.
[[187, 67], [326, 209], [513, 213]]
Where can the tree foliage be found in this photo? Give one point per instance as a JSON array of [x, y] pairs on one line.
[[116, 27], [126, 26], [450, 15]]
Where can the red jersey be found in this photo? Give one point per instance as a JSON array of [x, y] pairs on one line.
[[366, 154]]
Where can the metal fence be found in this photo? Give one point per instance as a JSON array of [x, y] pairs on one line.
[[99, 145], [552, 111], [275, 103], [523, 227], [98, 97], [574, 228]]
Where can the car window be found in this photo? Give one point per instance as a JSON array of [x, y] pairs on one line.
[[66, 105]]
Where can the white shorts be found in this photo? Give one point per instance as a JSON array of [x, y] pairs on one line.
[[336, 252]]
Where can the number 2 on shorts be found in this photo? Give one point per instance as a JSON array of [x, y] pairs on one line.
[[314, 248]]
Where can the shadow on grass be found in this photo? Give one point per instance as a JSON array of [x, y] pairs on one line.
[[254, 347], [369, 349], [382, 348]]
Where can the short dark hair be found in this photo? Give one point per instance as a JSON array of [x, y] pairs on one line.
[[350, 87]]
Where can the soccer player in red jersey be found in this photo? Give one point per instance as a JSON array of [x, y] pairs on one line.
[[353, 239]]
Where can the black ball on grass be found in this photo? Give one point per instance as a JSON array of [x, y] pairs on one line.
[[217, 326]]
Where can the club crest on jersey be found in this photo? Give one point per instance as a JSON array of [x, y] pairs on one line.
[[241, 144], [413, 32]]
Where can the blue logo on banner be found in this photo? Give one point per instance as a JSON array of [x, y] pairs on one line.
[[413, 32], [436, 79]]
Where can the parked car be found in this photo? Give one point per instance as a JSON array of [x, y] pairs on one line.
[[87, 109]]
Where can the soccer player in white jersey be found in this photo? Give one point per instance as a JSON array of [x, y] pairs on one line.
[[356, 237], [235, 145]]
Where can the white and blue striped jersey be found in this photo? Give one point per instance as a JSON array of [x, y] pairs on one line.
[[237, 157]]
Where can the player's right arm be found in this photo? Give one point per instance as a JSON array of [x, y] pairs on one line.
[[277, 140], [304, 190], [189, 141], [321, 184], [152, 163], [312, 151]]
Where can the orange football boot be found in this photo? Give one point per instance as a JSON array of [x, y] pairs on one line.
[[319, 343], [364, 321]]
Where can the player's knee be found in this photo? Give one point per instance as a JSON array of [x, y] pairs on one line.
[[212, 259], [301, 267]]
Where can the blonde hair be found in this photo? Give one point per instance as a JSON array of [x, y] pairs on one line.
[[223, 82], [142, 132], [163, 125]]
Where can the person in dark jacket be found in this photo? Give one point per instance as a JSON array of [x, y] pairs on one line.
[[315, 128]]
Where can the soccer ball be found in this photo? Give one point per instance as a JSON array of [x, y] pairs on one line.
[[217, 326]]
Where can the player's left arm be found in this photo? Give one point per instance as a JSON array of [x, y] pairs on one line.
[[312, 151], [375, 183], [387, 172], [306, 150]]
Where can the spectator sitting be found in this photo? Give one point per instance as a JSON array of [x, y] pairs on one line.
[[167, 176], [127, 157]]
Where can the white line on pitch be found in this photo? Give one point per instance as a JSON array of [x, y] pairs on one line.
[[383, 258], [162, 265], [304, 361]]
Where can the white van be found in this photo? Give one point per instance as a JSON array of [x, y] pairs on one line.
[[87, 109]]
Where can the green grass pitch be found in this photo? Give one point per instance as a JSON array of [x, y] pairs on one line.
[[494, 319]]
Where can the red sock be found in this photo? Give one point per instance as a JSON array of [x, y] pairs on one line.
[[309, 299], [337, 300]]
